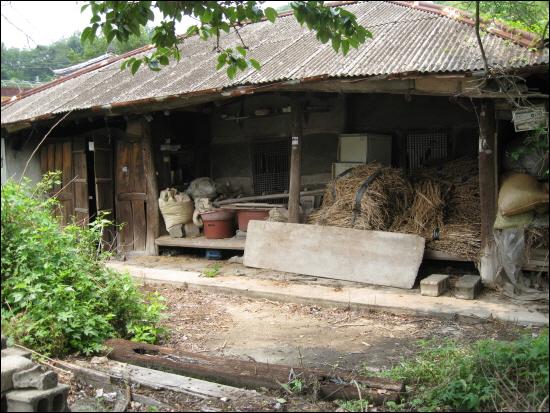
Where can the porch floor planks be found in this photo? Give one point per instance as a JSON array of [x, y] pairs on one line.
[[238, 245], [201, 242]]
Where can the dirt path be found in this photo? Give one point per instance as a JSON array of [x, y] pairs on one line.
[[274, 332]]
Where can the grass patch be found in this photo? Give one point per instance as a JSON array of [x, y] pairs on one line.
[[213, 270], [485, 375], [354, 405]]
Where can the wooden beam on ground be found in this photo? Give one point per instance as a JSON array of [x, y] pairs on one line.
[[295, 163], [152, 207], [252, 374], [487, 189]]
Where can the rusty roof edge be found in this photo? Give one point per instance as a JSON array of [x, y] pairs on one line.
[[520, 37], [80, 72], [240, 90]]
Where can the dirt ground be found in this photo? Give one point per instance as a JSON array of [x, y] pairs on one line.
[[268, 331], [285, 333]]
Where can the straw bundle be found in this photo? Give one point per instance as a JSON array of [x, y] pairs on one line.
[[444, 198], [460, 233], [387, 196], [426, 212], [463, 240]]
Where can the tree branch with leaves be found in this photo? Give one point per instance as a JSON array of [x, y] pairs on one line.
[[122, 19]]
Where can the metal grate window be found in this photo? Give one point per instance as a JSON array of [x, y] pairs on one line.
[[424, 147], [271, 166]]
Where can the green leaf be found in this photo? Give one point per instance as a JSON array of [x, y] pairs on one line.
[[206, 16], [336, 43], [135, 66], [241, 50], [345, 47], [86, 34], [84, 7], [232, 71], [255, 64], [163, 60], [271, 14]]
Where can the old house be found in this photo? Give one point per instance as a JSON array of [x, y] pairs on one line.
[[416, 91]]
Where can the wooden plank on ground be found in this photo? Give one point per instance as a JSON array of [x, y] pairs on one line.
[[373, 257], [111, 372]]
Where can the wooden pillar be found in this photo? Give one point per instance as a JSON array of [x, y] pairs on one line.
[[295, 164], [488, 190], [152, 208]]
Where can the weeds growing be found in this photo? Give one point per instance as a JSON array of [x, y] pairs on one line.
[[486, 375], [57, 295]]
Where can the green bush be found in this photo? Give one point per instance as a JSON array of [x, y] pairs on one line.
[[486, 375], [57, 295]]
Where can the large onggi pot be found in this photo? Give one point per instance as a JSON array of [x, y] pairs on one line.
[[218, 224], [245, 215]]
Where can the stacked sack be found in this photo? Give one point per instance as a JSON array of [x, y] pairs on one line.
[[177, 210]]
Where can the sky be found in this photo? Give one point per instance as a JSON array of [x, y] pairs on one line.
[[28, 23]]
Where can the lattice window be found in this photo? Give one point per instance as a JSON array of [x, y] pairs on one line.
[[271, 166], [425, 147]]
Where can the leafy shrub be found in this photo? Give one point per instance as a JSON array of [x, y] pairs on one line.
[[57, 295], [486, 375]]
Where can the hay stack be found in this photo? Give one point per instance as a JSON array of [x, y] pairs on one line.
[[426, 212], [444, 197], [461, 231], [386, 197]]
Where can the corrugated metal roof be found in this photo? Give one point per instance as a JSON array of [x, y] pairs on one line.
[[405, 39]]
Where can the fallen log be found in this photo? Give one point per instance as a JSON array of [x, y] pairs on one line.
[[251, 374]]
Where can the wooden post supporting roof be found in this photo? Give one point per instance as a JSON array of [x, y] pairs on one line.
[[295, 163], [152, 207], [487, 190]]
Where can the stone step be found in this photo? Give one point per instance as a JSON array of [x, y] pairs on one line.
[[434, 285], [468, 287]]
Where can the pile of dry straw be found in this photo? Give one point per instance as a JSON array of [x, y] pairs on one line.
[[440, 204]]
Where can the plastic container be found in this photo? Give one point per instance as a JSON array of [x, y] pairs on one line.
[[245, 215], [218, 224]]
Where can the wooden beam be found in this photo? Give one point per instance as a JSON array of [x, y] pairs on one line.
[[252, 374], [152, 207], [295, 163], [487, 190], [264, 197]]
